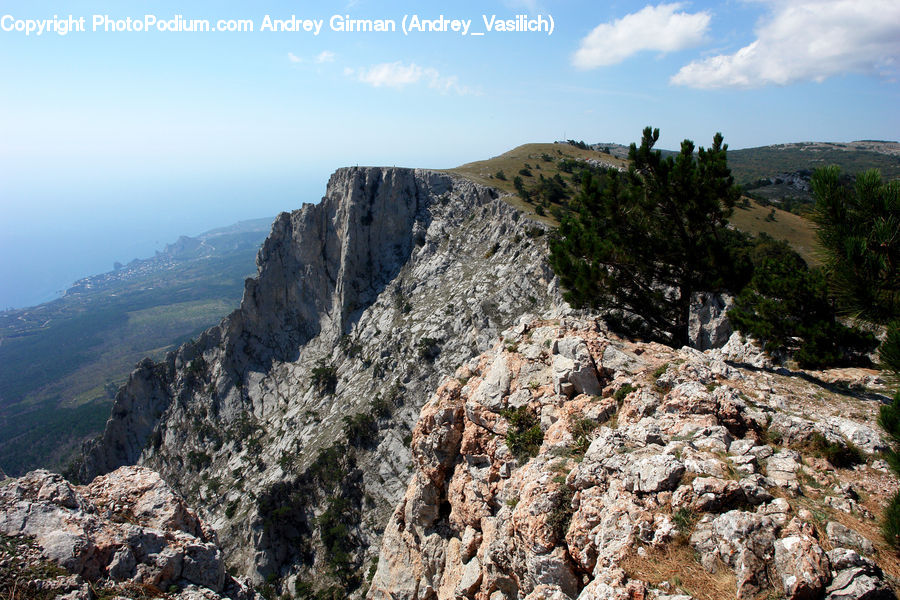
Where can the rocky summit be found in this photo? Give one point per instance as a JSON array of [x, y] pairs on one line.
[[568, 463]]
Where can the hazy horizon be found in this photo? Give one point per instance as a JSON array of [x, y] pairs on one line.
[[43, 257], [113, 143]]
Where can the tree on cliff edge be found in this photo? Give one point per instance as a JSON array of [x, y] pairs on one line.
[[641, 243]]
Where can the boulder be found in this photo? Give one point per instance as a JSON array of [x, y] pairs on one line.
[[708, 324], [802, 566]]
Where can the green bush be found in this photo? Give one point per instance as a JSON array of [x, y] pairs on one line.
[[581, 430], [361, 430], [381, 408], [786, 307], [429, 348], [524, 436], [626, 389], [324, 378], [561, 515], [839, 455], [890, 522], [198, 460]]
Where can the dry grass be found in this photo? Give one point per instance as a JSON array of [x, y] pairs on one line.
[[511, 162], [789, 227], [885, 557], [677, 564], [793, 229]]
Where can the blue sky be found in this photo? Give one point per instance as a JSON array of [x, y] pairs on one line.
[[112, 144]]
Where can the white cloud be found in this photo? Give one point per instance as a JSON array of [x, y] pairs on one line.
[[399, 75], [394, 74], [807, 40], [325, 56], [658, 28]]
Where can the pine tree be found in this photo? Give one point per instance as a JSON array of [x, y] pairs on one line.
[[640, 243], [860, 231], [786, 307], [859, 228]]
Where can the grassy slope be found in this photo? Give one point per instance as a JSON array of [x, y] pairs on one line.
[[750, 164], [511, 162], [794, 229], [787, 226]]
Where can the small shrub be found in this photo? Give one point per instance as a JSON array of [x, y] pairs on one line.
[[561, 514], [349, 347], [197, 366], [684, 519], [381, 408], [623, 391], [198, 460], [660, 371], [772, 437], [890, 523], [324, 378], [428, 349], [581, 430], [524, 437], [500, 175], [361, 430], [839, 455]]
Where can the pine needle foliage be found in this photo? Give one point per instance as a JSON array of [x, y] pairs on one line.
[[859, 228], [639, 244], [786, 307]]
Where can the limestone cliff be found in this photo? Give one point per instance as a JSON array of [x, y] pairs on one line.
[[567, 463], [287, 425]]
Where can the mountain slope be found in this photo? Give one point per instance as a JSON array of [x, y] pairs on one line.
[[61, 362], [287, 422]]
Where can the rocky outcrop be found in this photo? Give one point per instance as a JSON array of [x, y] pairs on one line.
[[309, 391], [127, 530], [663, 481], [708, 324]]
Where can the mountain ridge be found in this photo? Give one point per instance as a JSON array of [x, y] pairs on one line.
[[395, 270]]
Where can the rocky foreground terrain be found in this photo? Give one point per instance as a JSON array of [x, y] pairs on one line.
[[562, 463], [566, 463], [127, 534]]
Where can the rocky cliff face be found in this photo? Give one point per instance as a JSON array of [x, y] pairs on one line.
[[567, 463], [288, 424]]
